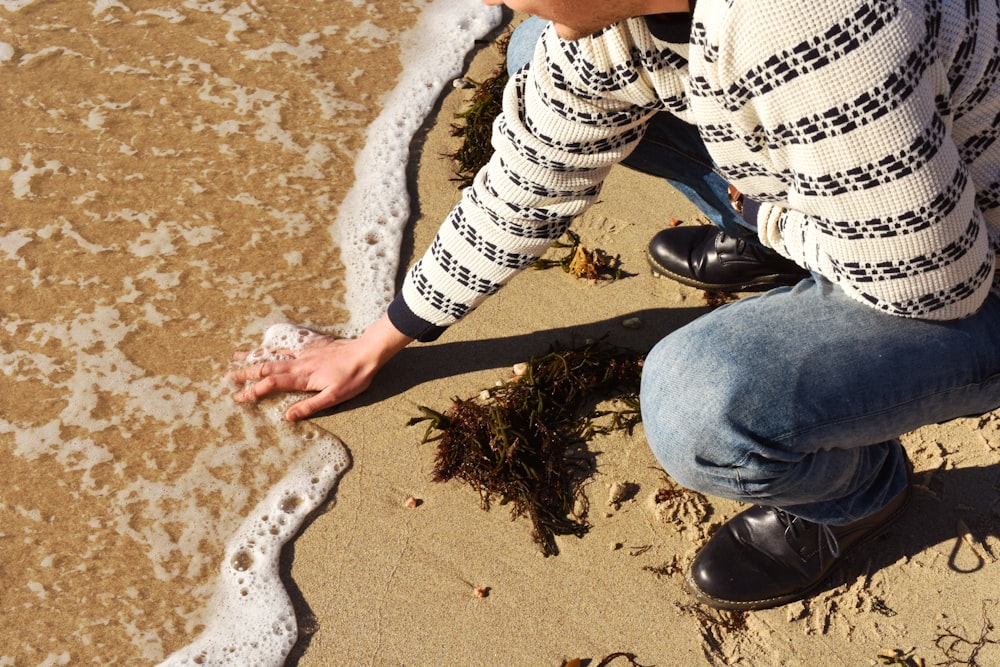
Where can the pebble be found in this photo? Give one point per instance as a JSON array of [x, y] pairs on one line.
[[617, 492], [632, 323]]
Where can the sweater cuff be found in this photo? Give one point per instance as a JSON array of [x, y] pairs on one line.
[[409, 324]]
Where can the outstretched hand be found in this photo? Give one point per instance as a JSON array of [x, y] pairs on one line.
[[337, 369]]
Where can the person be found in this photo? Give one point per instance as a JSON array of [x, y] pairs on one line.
[[847, 152]]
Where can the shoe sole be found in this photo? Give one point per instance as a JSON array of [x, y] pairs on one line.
[[758, 284], [754, 605]]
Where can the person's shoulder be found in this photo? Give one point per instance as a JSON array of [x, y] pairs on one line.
[[737, 32], [758, 20]]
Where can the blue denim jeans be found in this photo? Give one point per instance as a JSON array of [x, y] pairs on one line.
[[796, 398]]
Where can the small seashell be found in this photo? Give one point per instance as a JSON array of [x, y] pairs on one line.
[[481, 591], [462, 84], [411, 502], [520, 369], [617, 493]]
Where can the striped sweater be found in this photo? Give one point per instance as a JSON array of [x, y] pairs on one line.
[[863, 134]]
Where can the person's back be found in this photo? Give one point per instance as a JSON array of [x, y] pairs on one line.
[[867, 133]]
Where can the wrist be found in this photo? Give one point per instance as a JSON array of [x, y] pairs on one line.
[[382, 341]]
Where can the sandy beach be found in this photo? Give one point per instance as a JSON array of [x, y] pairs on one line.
[[94, 568], [386, 584]]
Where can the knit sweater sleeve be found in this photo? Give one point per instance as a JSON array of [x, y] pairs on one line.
[[838, 122], [577, 109]]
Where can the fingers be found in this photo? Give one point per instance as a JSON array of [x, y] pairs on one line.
[[319, 367], [253, 357], [267, 383], [311, 405], [259, 371]]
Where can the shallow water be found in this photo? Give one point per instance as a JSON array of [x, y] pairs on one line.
[[169, 176]]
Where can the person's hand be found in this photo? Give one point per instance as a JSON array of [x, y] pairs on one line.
[[337, 369]]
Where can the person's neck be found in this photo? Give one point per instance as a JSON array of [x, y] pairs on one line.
[[666, 6]]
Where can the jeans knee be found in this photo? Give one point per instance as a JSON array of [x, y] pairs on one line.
[[688, 409], [521, 46]]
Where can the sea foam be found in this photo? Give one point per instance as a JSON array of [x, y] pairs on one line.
[[251, 621], [371, 220], [162, 205]]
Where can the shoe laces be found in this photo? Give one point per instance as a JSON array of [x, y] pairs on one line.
[[794, 525]]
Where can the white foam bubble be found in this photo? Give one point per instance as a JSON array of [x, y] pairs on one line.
[[251, 621], [101, 6], [15, 5], [23, 178], [6, 52], [171, 15], [48, 52], [234, 17], [304, 52], [368, 32], [369, 225]]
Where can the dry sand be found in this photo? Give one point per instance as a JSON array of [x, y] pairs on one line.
[[390, 585]]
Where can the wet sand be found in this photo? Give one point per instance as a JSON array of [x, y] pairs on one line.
[[168, 178]]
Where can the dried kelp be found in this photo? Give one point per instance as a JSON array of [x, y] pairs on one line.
[[606, 662], [715, 298], [582, 262], [963, 648], [524, 443], [475, 128]]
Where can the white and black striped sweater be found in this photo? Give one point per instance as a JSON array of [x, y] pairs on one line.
[[863, 133]]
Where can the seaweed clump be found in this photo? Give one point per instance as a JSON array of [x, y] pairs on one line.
[[582, 262], [475, 126], [524, 443]]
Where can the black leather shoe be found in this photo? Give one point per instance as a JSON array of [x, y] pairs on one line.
[[704, 256], [765, 557]]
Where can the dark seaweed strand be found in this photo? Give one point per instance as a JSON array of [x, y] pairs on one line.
[[526, 445], [475, 126]]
